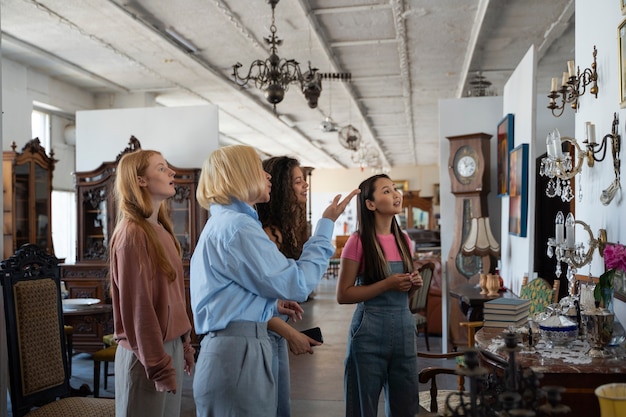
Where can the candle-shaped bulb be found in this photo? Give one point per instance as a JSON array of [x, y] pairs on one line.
[[570, 231], [565, 79], [592, 133], [559, 224], [557, 144], [555, 83], [571, 67], [550, 145]]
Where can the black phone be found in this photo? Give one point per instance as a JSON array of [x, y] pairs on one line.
[[314, 333]]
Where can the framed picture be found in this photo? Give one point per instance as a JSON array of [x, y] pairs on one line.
[[402, 185], [518, 190], [623, 5], [621, 56], [505, 144], [436, 194]]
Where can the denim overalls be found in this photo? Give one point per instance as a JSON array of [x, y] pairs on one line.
[[381, 353]]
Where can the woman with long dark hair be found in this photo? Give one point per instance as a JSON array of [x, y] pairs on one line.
[[376, 272]]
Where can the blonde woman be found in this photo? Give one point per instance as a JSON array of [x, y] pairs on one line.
[[147, 285], [237, 276]]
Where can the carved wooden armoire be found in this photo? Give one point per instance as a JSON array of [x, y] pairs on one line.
[[88, 277], [27, 187]]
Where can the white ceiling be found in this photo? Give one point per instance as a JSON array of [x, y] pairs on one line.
[[403, 57]]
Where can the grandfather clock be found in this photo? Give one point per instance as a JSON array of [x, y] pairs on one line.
[[469, 166]]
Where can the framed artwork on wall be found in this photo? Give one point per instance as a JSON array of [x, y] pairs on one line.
[[518, 190], [621, 56], [623, 5], [401, 185], [505, 144]]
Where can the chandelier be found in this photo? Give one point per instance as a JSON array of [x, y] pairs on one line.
[[274, 74]]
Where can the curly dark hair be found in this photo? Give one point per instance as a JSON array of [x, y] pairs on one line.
[[283, 213]]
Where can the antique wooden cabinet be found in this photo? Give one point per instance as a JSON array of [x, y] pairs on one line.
[[96, 212], [27, 187]]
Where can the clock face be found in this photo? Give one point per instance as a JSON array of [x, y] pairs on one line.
[[465, 164]]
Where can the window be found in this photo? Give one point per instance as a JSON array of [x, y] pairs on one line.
[[40, 126], [64, 225]]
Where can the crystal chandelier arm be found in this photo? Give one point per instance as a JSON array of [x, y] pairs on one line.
[[565, 174], [599, 243]]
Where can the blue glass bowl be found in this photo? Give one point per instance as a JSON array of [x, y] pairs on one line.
[[559, 336]]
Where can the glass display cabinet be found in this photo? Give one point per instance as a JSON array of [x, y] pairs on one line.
[[27, 187], [96, 214]]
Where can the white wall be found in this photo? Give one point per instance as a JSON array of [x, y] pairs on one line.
[[184, 135], [519, 98], [20, 87], [600, 112]]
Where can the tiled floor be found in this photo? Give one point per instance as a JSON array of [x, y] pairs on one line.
[[316, 380]]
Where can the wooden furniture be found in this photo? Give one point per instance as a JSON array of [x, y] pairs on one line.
[[433, 307], [470, 306], [468, 166], [472, 301], [418, 302], [27, 188], [37, 357], [436, 398], [418, 211], [569, 367], [87, 322], [96, 212]]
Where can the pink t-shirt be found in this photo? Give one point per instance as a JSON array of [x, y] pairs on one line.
[[353, 249]]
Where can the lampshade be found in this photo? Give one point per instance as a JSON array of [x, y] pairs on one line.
[[480, 241]]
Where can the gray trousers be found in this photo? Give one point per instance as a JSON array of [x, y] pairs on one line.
[[135, 394], [233, 375]]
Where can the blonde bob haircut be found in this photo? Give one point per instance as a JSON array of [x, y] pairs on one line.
[[231, 172]]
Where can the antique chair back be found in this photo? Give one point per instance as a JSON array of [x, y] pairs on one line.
[[38, 364], [540, 293], [418, 302]]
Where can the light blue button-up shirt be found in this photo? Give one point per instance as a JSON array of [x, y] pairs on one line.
[[238, 273]]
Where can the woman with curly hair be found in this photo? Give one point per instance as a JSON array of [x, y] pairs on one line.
[[284, 220], [237, 276]]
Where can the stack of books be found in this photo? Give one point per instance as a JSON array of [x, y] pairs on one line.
[[505, 312]]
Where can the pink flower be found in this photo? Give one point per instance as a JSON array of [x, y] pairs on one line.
[[615, 256]]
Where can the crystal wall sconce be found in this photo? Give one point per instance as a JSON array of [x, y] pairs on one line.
[[573, 85], [594, 148], [560, 166], [567, 250]]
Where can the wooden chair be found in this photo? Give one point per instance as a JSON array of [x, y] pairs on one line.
[[540, 293], [429, 374], [106, 355], [69, 340], [37, 356], [418, 303]]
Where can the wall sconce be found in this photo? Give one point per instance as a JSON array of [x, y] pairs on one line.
[[573, 85], [559, 166], [594, 149], [480, 240], [564, 246]]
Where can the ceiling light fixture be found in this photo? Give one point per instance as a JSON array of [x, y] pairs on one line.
[[180, 40], [274, 74]]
